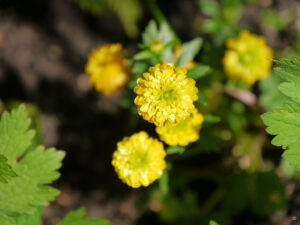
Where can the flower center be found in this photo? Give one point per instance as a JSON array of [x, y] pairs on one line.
[[167, 95], [248, 57], [140, 159]]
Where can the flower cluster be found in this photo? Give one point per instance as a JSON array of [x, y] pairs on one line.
[[139, 159], [247, 58], [184, 132], [108, 68], [165, 95]]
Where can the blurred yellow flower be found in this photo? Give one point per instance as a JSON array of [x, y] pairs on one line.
[[139, 160], [108, 68], [247, 58], [165, 95], [183, 133], [177, 52]]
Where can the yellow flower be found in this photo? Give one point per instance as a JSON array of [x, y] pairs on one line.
[[165, 95], [183, 133], [177, 52], [247, 58], [139, 160], [108, 68]]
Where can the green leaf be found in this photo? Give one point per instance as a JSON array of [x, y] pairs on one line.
[[75, 218], [145, 54], [150, 33], [284, 122], [263, 192], [211, 119], [271, 97], [35, 167], [165, 34], [175, 150], [6, 171], [189, 51], [272, 19], [201, 99], [164, 182], [210, 8], [288, 70], [199, 71], [32, 219], [213, 223], [7, 220]]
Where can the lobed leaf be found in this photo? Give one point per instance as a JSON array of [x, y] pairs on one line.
[[284, 122], [34, 166]]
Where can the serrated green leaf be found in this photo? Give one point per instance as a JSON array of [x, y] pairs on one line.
[[35, 167], [189, 51], [285, 121], [198, 72], [30, 219], [75, 218], [288, 70], [6, 171], [15, 137]]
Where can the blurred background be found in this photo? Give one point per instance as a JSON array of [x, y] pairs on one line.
[[43, 52]]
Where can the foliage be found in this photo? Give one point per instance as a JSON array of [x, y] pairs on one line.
[[227, 172], [255, 191], [213, 223], [271, 97], [26, 192], [284, 121], [35, 167], [75, 218], [222, 18], [6, 171]]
